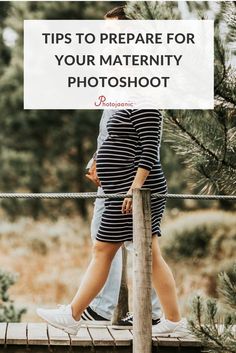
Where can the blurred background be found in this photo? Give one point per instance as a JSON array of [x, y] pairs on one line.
[[45, 244]]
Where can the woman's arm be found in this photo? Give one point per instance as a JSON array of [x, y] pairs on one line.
[[147, 124]]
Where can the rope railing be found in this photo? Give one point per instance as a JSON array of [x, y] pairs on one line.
[[94, 195]]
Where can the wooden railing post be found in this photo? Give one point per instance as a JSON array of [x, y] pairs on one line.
[[142, 271]]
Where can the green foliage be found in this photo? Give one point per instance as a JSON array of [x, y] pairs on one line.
[[175, 174], [8, 312], [201, 235], [190, 243], [214, 329]]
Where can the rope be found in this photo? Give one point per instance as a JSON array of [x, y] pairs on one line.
[[61, 195], [94, 195], [195, 197]]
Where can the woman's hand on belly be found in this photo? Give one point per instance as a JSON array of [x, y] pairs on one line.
[[92, 174]]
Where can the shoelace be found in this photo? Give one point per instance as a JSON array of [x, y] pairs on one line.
[[128, 316]]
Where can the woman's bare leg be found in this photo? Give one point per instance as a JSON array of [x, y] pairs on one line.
[[95, 276], [164, 283]]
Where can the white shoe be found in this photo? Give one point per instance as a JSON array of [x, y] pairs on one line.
[[61, 318], [163, 329]]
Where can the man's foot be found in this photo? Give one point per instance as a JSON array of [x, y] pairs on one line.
[[60, 318], [127, 323], [168, 328], [91, 318]]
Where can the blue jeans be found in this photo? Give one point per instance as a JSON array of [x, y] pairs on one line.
[[106, 301]]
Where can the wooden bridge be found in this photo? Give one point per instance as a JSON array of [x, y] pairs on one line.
[[40, 337]]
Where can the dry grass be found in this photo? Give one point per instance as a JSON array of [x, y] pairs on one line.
[[49, 257]]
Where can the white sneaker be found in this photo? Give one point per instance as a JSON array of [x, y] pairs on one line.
[[61, 318], [163, 329]]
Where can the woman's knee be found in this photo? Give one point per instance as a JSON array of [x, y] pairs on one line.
[[155, 246], [105, 250], [156, 251]]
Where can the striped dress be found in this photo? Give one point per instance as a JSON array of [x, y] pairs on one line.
[[133, 141]]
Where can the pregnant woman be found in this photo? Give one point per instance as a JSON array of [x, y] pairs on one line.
[[129, 158]]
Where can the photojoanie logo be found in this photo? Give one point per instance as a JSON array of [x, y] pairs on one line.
[[102, 102]]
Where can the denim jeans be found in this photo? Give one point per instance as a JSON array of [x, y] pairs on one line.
[[106, 301]]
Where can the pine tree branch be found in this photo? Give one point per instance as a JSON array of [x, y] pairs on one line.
[[222, 61], [218, 335], [149, 11], [227, 98], [199, 144], [225, 141], [227, 289], [204, 173], [211, 313], [206, 333], [199, 306], [203, 331]]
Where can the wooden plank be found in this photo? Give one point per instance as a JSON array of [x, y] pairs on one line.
[[37, 334], [168, 342], [16, 333], [82, 338], [3, 327], [58, 337], [101, 336], [121, 337], [189, 341]]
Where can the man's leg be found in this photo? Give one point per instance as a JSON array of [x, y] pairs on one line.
[[106, 301], [156, 306]]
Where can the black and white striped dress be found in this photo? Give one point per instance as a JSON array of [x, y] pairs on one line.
[[133, 141]]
